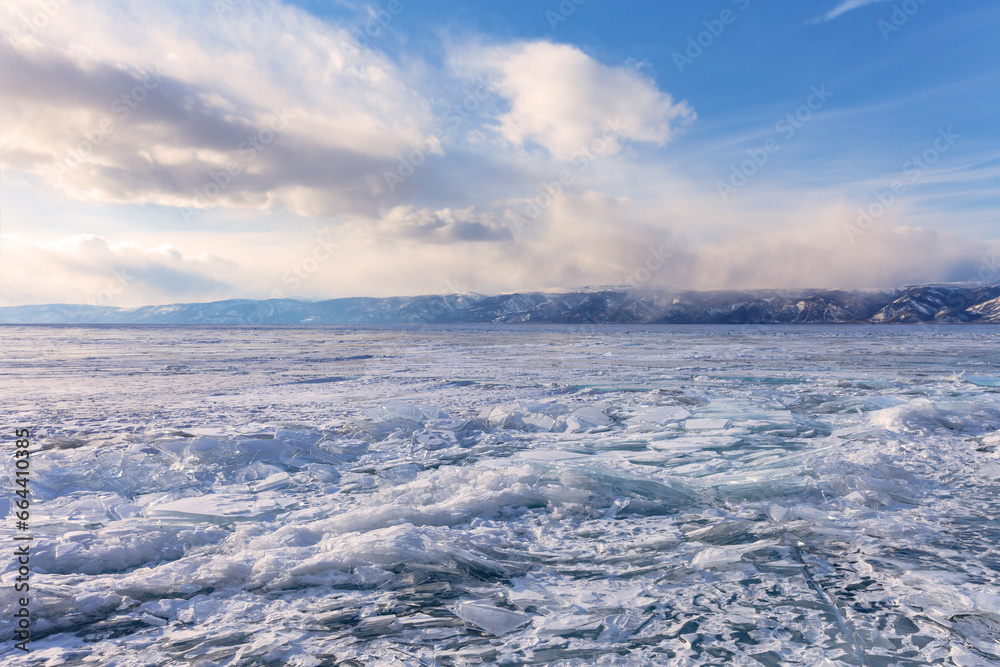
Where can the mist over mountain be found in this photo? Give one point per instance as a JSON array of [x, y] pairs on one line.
[[936, 303]]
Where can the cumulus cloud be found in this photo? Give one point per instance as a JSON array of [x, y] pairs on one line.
[[443, 226], [206, 110], [183, 106], [562, 99]]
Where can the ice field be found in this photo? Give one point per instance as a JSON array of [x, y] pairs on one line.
[[516, 495]]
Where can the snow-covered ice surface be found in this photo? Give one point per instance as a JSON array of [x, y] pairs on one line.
[[517, 495]]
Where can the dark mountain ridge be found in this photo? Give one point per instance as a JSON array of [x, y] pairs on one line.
[[936, 303]]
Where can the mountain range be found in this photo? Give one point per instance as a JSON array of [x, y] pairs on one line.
[[934, 303]]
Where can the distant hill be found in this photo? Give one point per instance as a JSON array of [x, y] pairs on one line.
[[937, 303]]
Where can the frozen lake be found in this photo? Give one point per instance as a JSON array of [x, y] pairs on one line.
[[798, 495]]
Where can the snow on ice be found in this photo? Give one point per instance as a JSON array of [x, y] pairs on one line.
[[485, 495]]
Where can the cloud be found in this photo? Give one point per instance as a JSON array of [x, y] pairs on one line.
[[224, 111], [563, 99], [423, 225], [845, 6], [678, 241], [190, 107], [821, 257], [87, 269], [184, 106]]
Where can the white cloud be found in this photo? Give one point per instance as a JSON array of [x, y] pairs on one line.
[[182, 105], [681, 240], [844, 6], [87, 269], [563, 99], [220, 80], [423, 225], [688, 241], [185, 106]]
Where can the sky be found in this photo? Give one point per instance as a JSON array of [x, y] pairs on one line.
[[161, 152]]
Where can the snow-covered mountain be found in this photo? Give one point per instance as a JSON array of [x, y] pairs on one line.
[[938, 303]]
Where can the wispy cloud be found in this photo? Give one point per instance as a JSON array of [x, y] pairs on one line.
[[843, 7]]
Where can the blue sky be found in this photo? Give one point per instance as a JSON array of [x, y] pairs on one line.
[[198, 151]]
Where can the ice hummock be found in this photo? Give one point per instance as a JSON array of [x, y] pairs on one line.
[[744, 496], [223, 508]]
